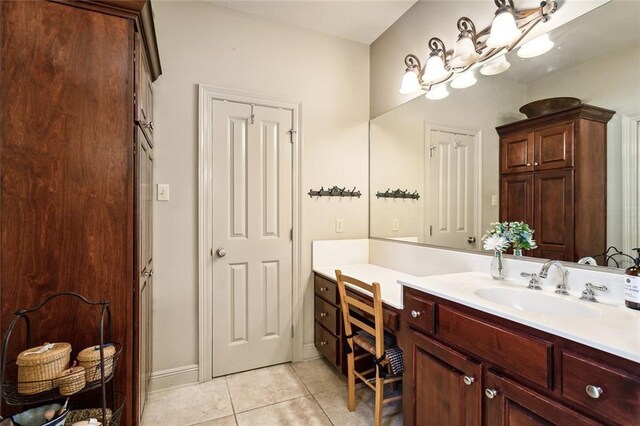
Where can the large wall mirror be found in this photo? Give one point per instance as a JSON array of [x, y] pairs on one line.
[[448, 151]]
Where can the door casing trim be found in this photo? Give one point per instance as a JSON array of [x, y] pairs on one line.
[[207, 94]]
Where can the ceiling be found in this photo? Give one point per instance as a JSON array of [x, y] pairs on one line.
[[361, 21]]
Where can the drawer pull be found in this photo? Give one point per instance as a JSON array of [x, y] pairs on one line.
[[415, 313], [323, 289], [490, 393], [468, 380], [323, 314], [324, 343], [528, 164], [593, 391]]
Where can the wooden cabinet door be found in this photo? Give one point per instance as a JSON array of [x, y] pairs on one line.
[[554, 147], [516, 153], [509, 403], [516, 198], [554, 214], [441, 386], [144, 91], [143, 327]]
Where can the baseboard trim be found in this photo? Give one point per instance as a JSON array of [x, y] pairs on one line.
[[310, 352], [173, 378]]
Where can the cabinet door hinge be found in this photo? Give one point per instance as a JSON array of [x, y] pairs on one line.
[[431, 150], [291, 133], [291, 234], [292, 332]]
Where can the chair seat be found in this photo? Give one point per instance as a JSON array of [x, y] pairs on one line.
[[393, 354], [365, 344]]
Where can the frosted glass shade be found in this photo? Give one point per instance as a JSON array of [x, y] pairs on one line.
[[410, 83], [437, 92], [536, 47], [465, 53], [434, 70], [464, 80], [496, 66], [504, 30]]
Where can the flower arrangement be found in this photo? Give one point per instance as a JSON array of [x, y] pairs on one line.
[[501, 235]]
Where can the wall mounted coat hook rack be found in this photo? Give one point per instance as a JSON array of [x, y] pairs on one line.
[[398, 193], [335, 191]]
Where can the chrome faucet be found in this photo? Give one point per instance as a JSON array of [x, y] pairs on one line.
[[534, 283], [588, 294], [561, 286]]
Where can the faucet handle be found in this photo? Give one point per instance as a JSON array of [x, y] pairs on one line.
[[588, 294], [534, 283]]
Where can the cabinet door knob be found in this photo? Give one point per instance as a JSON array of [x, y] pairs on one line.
[[323, 314], [490, 393], [593, 391], [323, 343], [536, 164], [323, 289], [415, 313], [468, 380], [528, 164]]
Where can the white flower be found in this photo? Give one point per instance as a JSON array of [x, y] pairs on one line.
[[496, 242]]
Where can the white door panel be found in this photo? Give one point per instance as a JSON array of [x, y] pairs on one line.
[[449, 205], [252, 287]]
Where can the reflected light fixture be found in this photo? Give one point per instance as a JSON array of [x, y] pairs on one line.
[[437, 92], [536, 47], [495, 66], [485, 48], [504, 29], [463, 81]]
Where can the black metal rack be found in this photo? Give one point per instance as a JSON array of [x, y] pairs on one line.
[[398, 193], [9, 388], [335, 191]]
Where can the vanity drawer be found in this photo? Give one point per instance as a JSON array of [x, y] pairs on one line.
[[326, 289], [327, 344], [327, 315], [517, 354], [620, 397], [420, 312]]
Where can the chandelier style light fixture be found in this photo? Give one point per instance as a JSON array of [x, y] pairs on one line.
[[485, 48]]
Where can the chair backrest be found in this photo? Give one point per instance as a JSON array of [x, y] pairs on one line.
[[375, 309]]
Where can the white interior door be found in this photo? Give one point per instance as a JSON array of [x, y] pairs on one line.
[[450, 203], [252, 278]]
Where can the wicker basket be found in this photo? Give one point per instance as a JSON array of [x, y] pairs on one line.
[[37, 367], [89, 358], [71, 381]]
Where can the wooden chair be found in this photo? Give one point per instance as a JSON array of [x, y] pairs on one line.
[[375, 348]]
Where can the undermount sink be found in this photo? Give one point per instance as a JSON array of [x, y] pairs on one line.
[[535, 301]]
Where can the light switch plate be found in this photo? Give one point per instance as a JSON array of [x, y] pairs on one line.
[[395, 225], [494, 200], [339, 225], [163, 192]]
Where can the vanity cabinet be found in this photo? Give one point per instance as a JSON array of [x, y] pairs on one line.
[[471, 367], [328, 323], [550, 164]]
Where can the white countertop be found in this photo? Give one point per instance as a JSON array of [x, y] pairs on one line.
[[611, 328], [390, 289]]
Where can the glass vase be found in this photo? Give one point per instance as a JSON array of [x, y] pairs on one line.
[[517, 251], [497, 265]]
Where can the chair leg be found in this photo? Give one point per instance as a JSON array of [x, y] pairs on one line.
[[351, 383], [379, 400]]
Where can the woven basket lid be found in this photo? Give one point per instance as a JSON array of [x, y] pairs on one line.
[[72, 371], [92, 353], [32, 357]]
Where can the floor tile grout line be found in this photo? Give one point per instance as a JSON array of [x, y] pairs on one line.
[[324, 412], [233, 407], [275, 403]]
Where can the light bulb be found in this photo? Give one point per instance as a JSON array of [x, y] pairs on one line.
[[465, 53], [496, 66], [437, 93], [434, 70], [504, 30], [464, 80], [410, 83], [536, 47]]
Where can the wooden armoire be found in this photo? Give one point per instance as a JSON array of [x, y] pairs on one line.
[[76, 166], [553, 176]]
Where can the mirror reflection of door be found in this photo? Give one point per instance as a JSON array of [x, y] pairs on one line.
[[450, 189]]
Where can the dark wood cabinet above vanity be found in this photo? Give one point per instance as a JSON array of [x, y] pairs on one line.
[[464, 366], [553, 175]]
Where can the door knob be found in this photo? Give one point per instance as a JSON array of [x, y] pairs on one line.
[[468, 380], [490, 393], [221, 252], [415, 313], [593, 391], [471, 240]]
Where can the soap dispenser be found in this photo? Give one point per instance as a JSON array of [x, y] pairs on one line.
[[632, 283]]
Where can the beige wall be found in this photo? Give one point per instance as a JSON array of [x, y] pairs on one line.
[[202, 43]]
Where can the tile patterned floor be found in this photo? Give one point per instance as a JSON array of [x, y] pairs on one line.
[[305, 393]]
